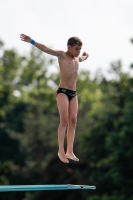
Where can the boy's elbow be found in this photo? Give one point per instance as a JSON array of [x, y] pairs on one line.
[[80, 59]]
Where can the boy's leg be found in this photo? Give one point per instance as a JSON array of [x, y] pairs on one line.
[[73, 110], [63, 106]]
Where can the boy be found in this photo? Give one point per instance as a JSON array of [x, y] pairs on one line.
[[66, 94]]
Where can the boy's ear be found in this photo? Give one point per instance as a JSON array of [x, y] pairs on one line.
[[68, 46]]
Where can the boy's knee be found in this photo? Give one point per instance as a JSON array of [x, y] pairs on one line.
[[74, 121], [64, 122]]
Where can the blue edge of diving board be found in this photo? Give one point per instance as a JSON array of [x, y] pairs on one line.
[[13, 188]]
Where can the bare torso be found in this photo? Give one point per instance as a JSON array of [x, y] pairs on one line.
[[68, 71]]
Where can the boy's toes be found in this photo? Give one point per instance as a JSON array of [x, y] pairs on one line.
[[63, 157], [72, 157]]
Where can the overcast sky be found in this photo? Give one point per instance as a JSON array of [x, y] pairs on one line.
[[105, 27]]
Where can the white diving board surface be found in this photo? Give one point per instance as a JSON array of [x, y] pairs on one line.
[[15, 188]]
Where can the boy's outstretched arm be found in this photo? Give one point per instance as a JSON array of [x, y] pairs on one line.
[[83, 57], [42, 47]]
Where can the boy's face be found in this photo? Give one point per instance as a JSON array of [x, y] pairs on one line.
[[74, 50]]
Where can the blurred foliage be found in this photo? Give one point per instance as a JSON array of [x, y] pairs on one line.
[[28, 130]]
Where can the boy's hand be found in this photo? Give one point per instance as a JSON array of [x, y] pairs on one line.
[[83, 57], [85, 54], [25, 38]]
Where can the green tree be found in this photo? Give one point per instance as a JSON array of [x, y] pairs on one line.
[[28, 130]]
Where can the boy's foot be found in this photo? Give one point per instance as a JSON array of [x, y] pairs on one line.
[[63, 157], [72, 157]]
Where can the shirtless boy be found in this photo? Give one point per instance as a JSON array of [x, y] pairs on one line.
[[66, 94]]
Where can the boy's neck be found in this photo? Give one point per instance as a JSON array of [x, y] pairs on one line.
[[68, 53]]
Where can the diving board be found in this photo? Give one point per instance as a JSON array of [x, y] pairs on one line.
[[16, 188]]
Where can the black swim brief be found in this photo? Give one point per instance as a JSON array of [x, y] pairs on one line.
[[70, 93]]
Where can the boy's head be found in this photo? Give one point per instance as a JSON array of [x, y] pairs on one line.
[[74, 41], [74, 46]]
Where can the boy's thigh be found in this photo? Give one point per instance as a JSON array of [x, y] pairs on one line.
[[63, 104], [73, 107]]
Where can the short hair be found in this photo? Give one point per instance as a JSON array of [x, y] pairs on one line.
[[72, 41]]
